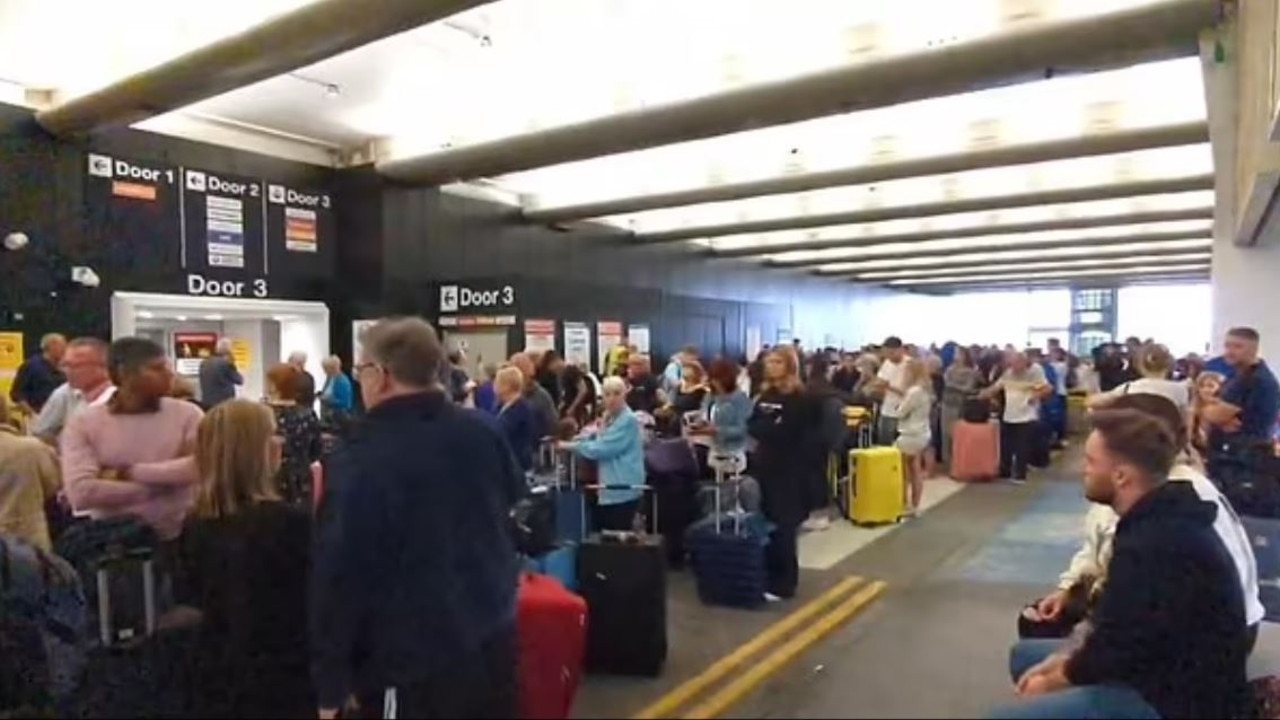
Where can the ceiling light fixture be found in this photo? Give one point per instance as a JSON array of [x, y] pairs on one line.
[[146, 314], [181, 318], [212, 317], [331, 90]]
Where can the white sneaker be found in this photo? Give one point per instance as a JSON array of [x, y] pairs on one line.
[[770, 597], [1017, 481], [817, 523]]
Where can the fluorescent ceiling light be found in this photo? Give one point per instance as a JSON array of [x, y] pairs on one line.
[[39, 48], [1106, 272], [777, 241], [146, 314], [1037, 240], [1041, 266], [1013, 255], [534, 73], [1142, 96], [1164, 163]]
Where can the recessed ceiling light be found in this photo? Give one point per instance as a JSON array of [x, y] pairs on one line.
[[282, 318], [212, 317], [146, 314], [180, 318]]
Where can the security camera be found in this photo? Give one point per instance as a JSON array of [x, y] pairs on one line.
[[16, 241], [84, 275]]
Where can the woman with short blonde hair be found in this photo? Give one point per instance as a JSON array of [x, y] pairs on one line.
[[914, 428]]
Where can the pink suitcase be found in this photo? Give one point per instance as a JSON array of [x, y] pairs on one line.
[[975, 451]]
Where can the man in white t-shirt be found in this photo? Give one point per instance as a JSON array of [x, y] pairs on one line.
[[1024, 386], [889, 385]]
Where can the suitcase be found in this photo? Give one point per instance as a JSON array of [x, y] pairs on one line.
[[534, 520], [560, 563], [727, 550], [879, 486], [551, 629], [975, 451], [975, 410], [151, 678], [623, 578], [1264, 536]]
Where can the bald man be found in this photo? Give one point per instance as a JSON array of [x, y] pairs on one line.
[[40, 375]]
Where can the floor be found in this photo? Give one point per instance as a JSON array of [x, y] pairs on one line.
[[934, 645]]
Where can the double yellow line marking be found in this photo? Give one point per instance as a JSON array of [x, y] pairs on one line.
[[797, 632]]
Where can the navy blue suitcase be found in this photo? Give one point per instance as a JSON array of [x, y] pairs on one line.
[[728, 555]]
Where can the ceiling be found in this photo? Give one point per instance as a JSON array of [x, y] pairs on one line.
[[1015, 184]]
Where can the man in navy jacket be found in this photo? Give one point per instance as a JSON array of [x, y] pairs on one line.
[[414, 578], [1168, 634]]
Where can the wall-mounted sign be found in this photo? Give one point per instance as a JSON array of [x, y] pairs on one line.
[[11, 358], [296, 217], [190, 349], [224, 217], [539, 335], [577, 344], [608, 336], [241, 353], [455, 297], [638, 335], [198, 284], [474, 321]]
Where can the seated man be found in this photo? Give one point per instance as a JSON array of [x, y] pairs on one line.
[[1168, 634]]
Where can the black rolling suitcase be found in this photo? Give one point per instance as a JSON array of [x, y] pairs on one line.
[[623, 578]]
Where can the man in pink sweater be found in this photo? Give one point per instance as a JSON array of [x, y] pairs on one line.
[[133, 455]]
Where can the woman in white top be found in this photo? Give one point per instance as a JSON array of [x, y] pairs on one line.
[[914, 421]]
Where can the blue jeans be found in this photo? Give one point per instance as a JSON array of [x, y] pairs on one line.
[[1093, 702]]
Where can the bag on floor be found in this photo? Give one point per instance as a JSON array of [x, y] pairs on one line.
[[975, 451], [1264, 537], [727, 550], [879, 486], [975, 410], [623, 578], [551, 631], [154, 677], [534, 522], [115, 561]]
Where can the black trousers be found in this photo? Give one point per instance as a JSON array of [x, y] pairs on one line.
[[782, 559], [1015, 448], [482, 685]]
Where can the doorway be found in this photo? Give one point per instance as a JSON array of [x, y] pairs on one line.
[[478, 348]]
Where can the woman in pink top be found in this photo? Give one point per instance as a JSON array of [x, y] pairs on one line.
[[133, 456]]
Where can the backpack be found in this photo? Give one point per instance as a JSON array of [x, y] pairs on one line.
[[42, 629]]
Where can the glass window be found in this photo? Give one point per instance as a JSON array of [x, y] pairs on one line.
[[1179, 316]]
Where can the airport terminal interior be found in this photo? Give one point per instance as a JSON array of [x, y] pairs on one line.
[[955, 238]]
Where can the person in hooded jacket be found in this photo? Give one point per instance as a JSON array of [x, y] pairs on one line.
[[826, 437], [781, 424]]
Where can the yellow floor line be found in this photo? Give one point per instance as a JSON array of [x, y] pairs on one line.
[[690, 689], [744, 684]]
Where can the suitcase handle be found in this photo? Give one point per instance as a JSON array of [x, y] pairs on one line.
[[736, 480]]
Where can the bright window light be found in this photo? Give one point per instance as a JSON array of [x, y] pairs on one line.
[[896, 261], [1105, 272], [777, 241], [1035, 242], [543, 55], [1150, 95], [1041, 266], [41, 48], [1143, 311], [1164, 163]]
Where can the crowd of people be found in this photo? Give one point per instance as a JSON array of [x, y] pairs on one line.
[[391, 583]]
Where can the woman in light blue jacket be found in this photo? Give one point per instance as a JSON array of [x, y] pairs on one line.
[[618, 450], [725, 412]]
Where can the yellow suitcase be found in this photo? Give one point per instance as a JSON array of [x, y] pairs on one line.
[[879, 485]]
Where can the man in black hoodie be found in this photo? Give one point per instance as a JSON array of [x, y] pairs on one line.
[[1168, 633]]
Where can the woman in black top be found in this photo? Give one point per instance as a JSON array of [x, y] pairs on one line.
[[299, 429], [578, 396], [243, 563], [693, 388], [780, 423]]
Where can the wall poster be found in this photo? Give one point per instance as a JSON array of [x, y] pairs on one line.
[[608, 336], [577, 344], [539, 335], [190, 349], [241, 353], [11, 358], [638, 335]]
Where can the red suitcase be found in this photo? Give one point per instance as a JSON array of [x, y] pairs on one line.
[[551, 624], [975, 451]]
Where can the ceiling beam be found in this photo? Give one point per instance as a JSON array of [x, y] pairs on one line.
[[1068, 281], [1036, 244], [1110, 143], [298, 39], [1082, 223], [1154, 257], [1109, 191], [1035, 51]]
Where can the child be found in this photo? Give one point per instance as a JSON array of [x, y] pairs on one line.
[[914, 434]]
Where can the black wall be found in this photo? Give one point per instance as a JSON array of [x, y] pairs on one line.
[[395, 246], [42, 184]]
